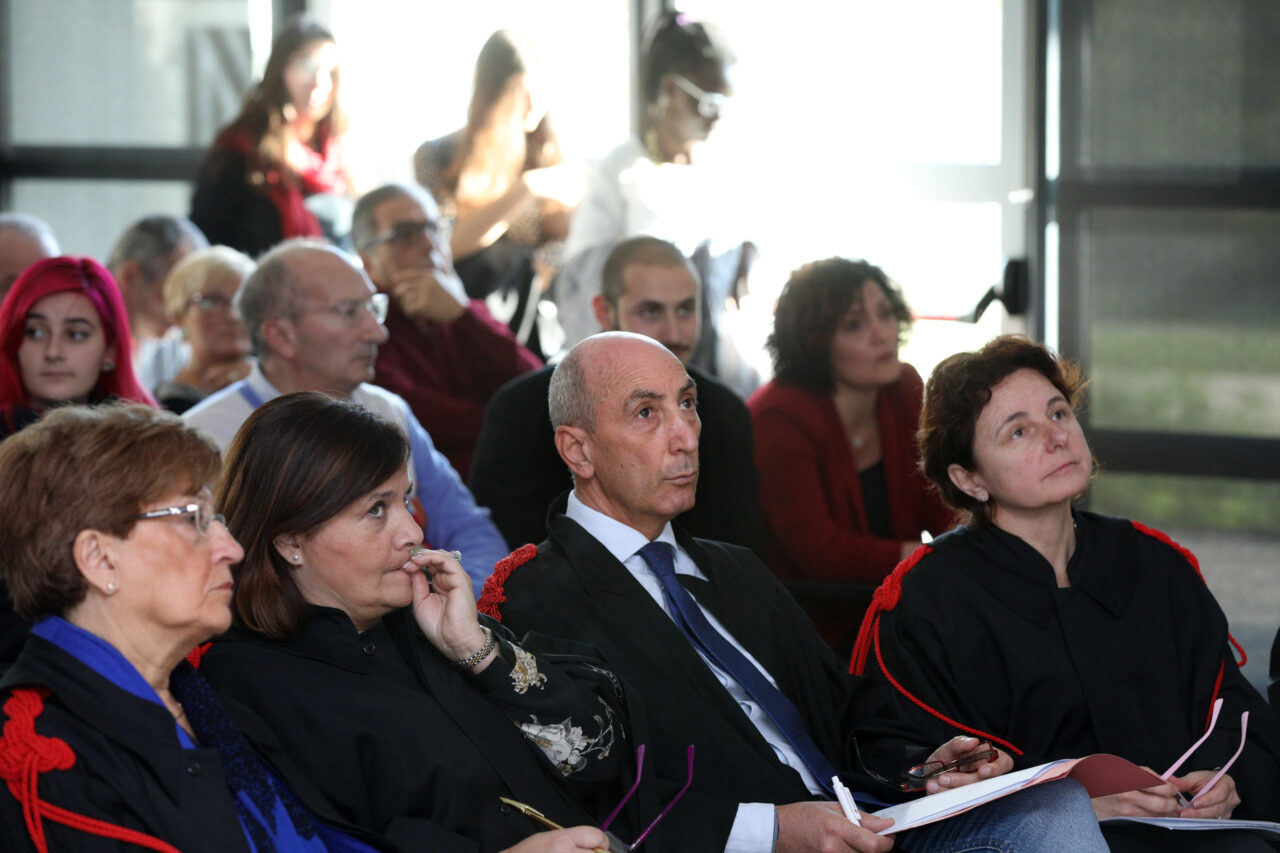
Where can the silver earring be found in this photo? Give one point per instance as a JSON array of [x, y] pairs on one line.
[[297, 558], [982, 496]]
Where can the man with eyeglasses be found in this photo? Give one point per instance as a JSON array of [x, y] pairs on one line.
[[447, 354], [721, 655], [315, 324]]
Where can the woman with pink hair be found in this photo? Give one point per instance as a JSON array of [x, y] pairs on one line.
[[64, 338]]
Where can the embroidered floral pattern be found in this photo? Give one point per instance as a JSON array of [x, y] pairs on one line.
[[525, 672], [565, 744]]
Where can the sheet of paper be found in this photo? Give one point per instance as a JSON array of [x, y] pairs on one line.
[[1101, 775], [1263, 827]]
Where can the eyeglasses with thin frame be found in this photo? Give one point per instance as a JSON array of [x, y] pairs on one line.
[[710, 104], [352, 311], [210, 301], [917, 777], [636, 784], [617, 845], [408, 232], [201, 513]]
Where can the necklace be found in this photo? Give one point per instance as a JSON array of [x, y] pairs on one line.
[[858, 441]]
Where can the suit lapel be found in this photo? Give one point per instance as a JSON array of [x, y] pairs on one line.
[[647, 632]]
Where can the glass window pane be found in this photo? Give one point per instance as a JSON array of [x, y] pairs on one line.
[[1230, 525], [1180, 308], [88, 216], [145, 73], [864, 82], [410, 81], [1181, 84]]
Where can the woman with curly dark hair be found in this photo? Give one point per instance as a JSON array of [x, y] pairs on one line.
[[1058, 633], [835, 439], [278, 163]]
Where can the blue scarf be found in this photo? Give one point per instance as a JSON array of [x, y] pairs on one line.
[[272, 819]]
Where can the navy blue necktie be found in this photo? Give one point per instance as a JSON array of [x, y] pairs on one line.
[[660, 556]]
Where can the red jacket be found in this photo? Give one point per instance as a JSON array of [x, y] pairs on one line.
[[810, 493], [447, 372]]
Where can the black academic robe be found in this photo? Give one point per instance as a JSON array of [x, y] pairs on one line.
[[130, 769], [403, 744], [1127, 660], [575, 588], [517, 472]]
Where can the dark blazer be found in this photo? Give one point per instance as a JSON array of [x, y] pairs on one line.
[[518, 473], [402, 743], [130, 769], [575, 588]]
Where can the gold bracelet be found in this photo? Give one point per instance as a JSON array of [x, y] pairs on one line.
[[469, 663]]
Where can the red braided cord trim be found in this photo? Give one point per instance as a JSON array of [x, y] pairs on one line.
[[886, 597], [898, 686], [21, 751], [1160, 536], [197, 654], [494, 596], [106, 830], [1217, 685]]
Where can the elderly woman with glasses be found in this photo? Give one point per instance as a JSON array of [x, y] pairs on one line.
[[111, 739], [198, 297], [111, 547], [365, 654]]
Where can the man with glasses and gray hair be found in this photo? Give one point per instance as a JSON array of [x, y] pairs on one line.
[[315, 324], [447, 354]]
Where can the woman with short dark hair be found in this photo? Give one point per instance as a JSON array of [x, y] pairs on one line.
[[365, 653], [1054, 632], [834, 431], [662, 183]]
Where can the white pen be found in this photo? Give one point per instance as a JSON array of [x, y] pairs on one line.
[[847, 805]]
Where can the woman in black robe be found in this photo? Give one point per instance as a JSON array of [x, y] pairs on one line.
[[1058, 633], [364, 653]]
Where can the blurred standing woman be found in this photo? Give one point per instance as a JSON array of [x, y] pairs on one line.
[[277, 170], [502, 183], [199, 299], [1058, 633], [365, 654], [111, 740], [64, 338], [842, 497]]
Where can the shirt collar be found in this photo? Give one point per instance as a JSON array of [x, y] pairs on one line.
[[257, 380], [620, 540]]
